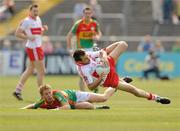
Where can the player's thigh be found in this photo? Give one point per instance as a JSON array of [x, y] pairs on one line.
[[84, 105], [95, 97], [39, 65], [115, 54], [110, 48], [30, 66]]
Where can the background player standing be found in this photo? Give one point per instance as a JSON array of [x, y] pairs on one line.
[[31, 30]]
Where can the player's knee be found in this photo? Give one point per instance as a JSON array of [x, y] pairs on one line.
[[104, 98], [123, 45]]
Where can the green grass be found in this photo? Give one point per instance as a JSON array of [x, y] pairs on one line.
[[127, 113]]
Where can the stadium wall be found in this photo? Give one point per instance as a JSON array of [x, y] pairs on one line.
[[130, 63]]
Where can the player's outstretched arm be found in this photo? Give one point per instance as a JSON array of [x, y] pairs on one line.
[[31, 106], [68, 40]]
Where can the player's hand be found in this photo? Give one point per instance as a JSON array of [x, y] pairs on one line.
[[102, 75], [96, 37], [31, 38], [45, 27]]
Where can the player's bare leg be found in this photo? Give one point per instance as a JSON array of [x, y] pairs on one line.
[[111, 47], [90, 106], [117, 49], [102, 97], [39, 65], [84, 105], [141, 93], [26, 74], [121, 46]]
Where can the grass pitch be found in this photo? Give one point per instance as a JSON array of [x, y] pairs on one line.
[[127, 113]]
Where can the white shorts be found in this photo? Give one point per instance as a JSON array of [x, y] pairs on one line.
[[82, 96]]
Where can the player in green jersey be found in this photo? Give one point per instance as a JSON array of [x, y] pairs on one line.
[[70, 99], [86, 30]]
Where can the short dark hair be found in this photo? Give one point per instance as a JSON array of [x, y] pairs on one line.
[[77, 54], [87, 8], [33, 6]]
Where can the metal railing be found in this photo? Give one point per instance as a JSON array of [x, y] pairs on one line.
[[120, 16]]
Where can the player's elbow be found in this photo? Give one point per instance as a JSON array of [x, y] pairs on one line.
[[16, 34], [91, 87]]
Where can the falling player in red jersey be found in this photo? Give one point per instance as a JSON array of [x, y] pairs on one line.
[[31, 30], [87, 62]]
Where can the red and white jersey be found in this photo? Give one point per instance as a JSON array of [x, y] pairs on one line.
[[32, 27], [88, 71]]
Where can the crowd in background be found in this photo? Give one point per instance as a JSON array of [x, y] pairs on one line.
[[7, 9], [147, 44], [55, 46], [49, 46], [80, 5], [164, 11]]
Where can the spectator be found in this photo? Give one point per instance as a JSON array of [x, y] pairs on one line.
[[157, 11], [6, 45], [146, 44], [152, 63], [7, 10], [176, 46], [47, 45], [158, 47], [10, 4], [177, 3], [78, 9], [176, 15], [97, 9], [168, 9]]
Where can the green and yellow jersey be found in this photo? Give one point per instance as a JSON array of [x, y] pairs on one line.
[[85, 32], [60, 97]]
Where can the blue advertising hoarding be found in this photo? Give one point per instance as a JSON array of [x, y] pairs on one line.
[[132, 64]]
